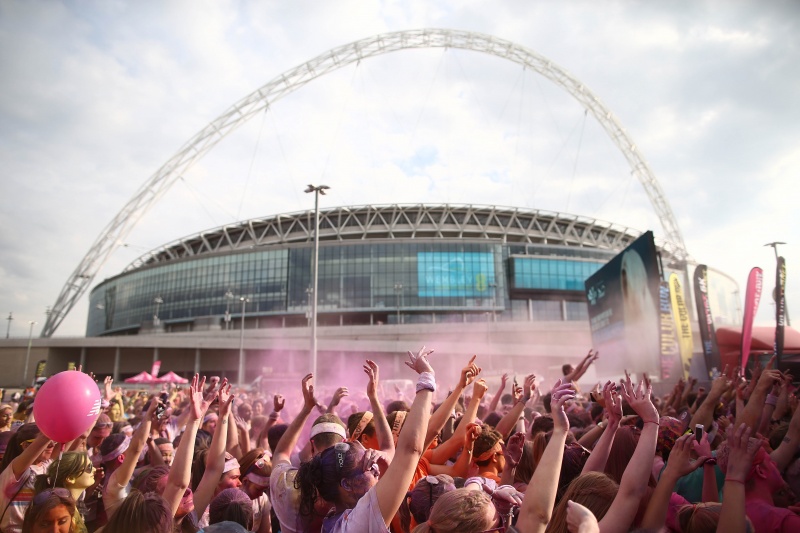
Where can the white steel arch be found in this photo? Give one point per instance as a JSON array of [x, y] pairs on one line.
[[155, 187]]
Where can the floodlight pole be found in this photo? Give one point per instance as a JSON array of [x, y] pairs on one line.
[[317, 190], [10, 318], [240, 377], [28, 355], [785, 305]]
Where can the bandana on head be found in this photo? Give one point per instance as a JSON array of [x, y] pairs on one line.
[[119, 450], [669, 430], [366, 418]]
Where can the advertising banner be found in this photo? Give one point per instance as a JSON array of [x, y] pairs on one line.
[[155, 369], [670, 369], [466, 274], [780, 307], [623, 301], [752, 297], [684, 325], [708, 336]]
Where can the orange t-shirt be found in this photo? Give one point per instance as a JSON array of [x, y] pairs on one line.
[[422, 470]]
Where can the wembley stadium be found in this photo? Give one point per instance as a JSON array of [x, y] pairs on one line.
[[507, 283], [237, 301]]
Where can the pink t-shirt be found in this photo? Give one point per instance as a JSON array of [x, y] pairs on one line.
[[767, 518]]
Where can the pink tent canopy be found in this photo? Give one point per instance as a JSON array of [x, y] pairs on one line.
[[141, 377], [171, 377]]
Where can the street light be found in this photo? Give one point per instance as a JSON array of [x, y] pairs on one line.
[[317, 190], [28, 355], [158, 300], [229, 297], [241, 343], [774, 246], [10, 318], [398, 288]]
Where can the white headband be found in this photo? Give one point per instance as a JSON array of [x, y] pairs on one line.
[[258, 480], [119, 450], [230, 464], [328, 427]]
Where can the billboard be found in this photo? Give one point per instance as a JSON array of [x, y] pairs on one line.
[[467, 274], [624, 312]]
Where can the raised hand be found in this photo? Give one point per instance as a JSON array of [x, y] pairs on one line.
[[371, 370], [503, 381], [529, 388], [198, 403], [107, 385], [309, 401], [278, 403], [479, 388], [469, 373], [340, 393], [680, 458], [419, 362], [613, 403], [639, 400], [225, 398], [743, 450], [561, 393], [513, 449], [580, 519]]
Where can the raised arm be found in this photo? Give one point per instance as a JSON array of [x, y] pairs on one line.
[[440, 416], [540, 496], [448, 448], [705, 413], [180, 472], [122, 475], [391, 489], [340, 393], [215, 460], [785, 452], [521, 397], [24, 460], [634, 480], [680, 464], [599, 456], [755, 405], [583, 366], [382, 430], [498, 394], [283, 450], [740, 459]]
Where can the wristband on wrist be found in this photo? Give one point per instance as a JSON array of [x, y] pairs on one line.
[[771, 400], [426, 381], [651, 422]]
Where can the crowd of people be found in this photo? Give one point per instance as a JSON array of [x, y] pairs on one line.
[[614, 459]]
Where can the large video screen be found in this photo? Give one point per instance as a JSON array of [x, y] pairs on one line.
[[623, 300], [466, 274]]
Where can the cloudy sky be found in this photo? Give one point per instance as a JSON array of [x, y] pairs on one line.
[[96, 96]]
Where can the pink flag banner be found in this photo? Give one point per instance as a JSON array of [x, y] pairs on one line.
[[752, 297], [155, 369]]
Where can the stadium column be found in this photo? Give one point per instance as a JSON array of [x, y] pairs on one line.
[[197, 360], [116, 363], [82, 362]]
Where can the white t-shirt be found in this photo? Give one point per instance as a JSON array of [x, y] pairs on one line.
[[261, 508], [285, 498], [365, 517]]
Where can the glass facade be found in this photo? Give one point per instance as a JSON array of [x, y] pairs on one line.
[[360, 282], [551, 274]]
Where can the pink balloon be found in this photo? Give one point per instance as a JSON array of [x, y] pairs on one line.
[[67, 405]]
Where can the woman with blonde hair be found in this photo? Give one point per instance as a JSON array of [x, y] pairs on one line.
[[74, 471], [461, 511], [6, 416]]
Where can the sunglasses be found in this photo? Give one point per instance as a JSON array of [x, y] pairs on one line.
[[89, 468], [45, 495]]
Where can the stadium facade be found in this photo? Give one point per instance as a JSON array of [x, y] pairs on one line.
[[509, 282]]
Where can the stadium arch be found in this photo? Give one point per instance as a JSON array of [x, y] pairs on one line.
[[236, 115]]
